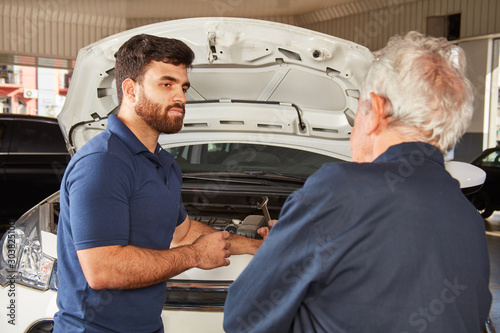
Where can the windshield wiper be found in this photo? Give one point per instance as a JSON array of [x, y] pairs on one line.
[[273, 175], [223, 177], [256, 177]]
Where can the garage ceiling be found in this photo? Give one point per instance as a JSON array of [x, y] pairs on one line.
[[241, 8], [188, 8]]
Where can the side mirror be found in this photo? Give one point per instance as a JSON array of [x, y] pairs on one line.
[[470, 177]]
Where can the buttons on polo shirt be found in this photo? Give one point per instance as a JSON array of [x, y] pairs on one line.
[[161, 174], [153, 158]]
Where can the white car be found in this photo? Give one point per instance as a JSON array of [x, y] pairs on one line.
[[268, 105]]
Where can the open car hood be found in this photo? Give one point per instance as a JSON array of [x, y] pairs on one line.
[[249, 76]]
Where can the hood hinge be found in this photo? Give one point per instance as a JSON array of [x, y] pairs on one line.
[[212, 54]]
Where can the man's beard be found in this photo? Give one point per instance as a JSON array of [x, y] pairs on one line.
[[152, 114]]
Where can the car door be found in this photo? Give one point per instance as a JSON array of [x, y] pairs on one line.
[[35, 163], [5, 130]]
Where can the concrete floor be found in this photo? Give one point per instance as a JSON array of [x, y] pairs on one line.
[[493, 235]]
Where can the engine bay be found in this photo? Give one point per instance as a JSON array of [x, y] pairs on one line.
[[239, 214]]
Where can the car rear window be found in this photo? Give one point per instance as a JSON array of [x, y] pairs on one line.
[[38, 137], [2, 133]]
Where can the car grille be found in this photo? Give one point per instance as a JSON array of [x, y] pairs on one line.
[[196, 295]]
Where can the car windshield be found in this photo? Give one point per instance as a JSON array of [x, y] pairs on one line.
[[491, 160], [247, 158]]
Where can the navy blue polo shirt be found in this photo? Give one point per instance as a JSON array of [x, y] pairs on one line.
[[114, 192]]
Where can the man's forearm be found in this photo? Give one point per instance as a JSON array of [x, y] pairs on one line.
[[239, 244], [244, 245], [127, 267]]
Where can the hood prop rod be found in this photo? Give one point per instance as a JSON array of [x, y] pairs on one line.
[[302, 125]]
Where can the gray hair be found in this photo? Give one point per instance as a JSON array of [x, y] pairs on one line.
[[423, 81]]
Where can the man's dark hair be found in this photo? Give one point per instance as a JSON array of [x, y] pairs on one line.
[[134, 56]]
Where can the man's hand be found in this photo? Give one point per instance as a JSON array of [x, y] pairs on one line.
[[189, 231], [212, 250], [264, 231]]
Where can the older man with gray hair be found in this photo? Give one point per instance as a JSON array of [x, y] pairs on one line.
[[388, 242]]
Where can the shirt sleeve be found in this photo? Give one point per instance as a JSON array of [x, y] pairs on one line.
[[267, 295], [99, 188]]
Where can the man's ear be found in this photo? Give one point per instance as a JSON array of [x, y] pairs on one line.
[[378, 113], [129, 87]]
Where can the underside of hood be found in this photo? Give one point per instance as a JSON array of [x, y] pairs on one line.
[[308, 81]]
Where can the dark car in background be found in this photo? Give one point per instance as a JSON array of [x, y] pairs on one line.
[[33, 157], [487, 199]]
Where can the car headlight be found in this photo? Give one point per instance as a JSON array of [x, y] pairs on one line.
[[22, 259]]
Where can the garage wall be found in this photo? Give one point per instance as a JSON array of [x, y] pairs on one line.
[[56, 28], [478, 56], [373, 27]]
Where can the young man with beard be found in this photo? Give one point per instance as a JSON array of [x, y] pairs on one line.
[[123, 230]]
